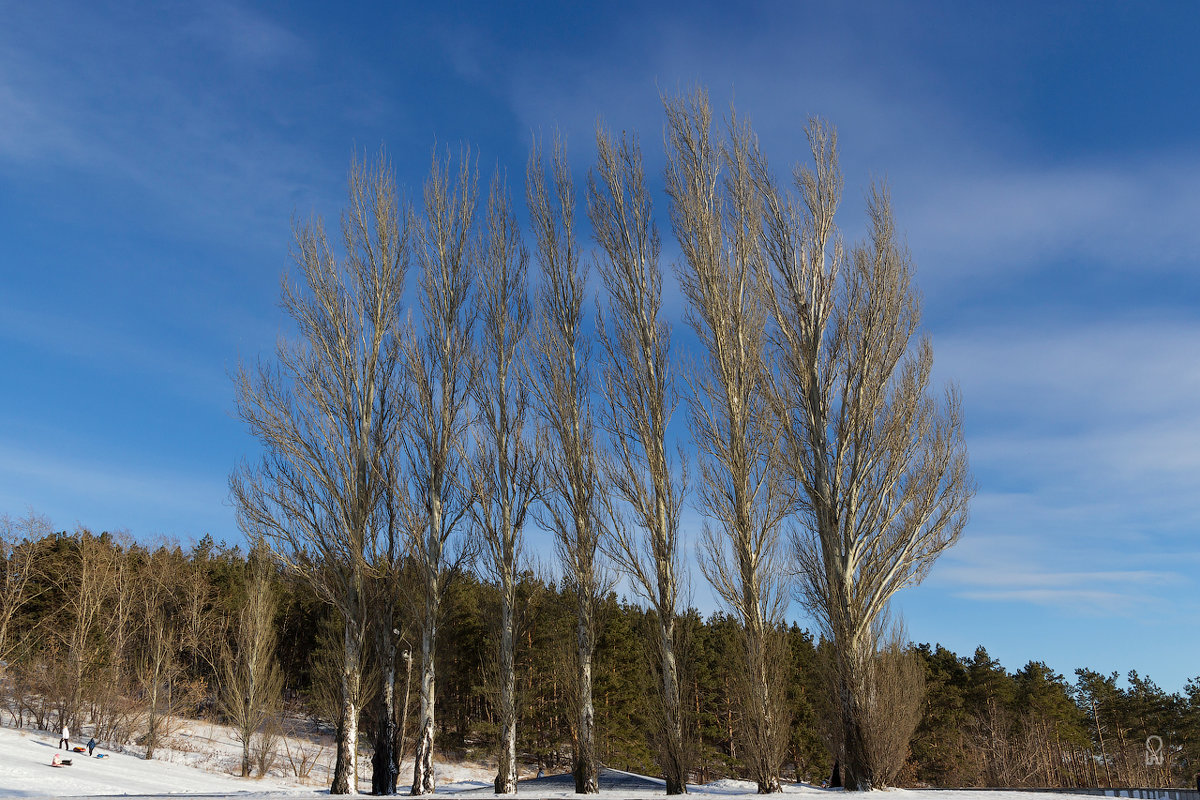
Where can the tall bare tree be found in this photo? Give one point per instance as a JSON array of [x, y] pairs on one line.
[[20, 543], [879, 464], [321, 421], [251, 681], [87, 588], [716, 213], [157, 667], [643, 516], [504, 472], [438, 364], [563, 385]]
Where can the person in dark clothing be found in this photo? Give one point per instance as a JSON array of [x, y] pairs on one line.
[[91, 745]]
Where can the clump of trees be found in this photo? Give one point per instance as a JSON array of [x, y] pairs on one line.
[[403, 452]]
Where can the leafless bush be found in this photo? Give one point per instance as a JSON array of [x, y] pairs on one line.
[[115, 716], [301, 754], [888, 691], [264, 747], [896, 693]]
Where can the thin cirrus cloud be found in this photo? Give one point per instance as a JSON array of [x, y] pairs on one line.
[[55, 484], [173, 136], [1136, 214], [1087, 440]]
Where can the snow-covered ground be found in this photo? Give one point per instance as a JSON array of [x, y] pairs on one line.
[[201, 757]]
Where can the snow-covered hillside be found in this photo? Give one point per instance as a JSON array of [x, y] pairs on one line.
[[25, 772], [201, 759]]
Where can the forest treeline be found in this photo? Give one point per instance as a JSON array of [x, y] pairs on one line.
[[116, 638]]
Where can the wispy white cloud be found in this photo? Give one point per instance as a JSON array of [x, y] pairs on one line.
[[62, 484], [85, 100], [246, 37], [1135, 214], [1086, 440]]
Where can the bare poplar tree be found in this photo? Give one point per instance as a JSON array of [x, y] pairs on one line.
[[438, 365], [322, 423], [569, 473], [251, 681], [156, 665], [640, 396], [86, 589], [716, 213], [504, 472], [879, 464], [20, 543]]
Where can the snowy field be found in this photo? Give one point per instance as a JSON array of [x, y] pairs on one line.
[[202, 756], [202, 760]]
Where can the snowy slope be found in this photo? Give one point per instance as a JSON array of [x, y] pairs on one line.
[[25, 772]]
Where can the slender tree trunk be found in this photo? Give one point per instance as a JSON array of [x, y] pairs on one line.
[[152, 720], [761, 708], [1100, 736], [675, 760], [385, 762], [423, 778], [506, 776], [402, 728], [586, 776], [1124, 750], [345, 771]]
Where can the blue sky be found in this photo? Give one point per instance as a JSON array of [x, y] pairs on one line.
[[1043, 160]]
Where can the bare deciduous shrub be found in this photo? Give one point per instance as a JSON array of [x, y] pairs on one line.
[[264, 749], [251, 681], [300, 753], [897, 694]]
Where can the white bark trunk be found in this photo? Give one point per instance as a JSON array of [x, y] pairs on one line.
[[423, 777], [506, 777], [345, 773], [586, 778]]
